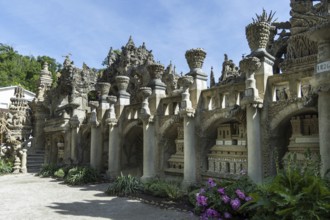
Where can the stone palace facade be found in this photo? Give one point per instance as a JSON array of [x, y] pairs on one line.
[[141, 118]]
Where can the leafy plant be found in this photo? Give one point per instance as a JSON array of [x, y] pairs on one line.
[[164, 189], [48, 170], [60, 173], [124, 186], [5, 166], [296, 192], [81, 175], [264, 17]]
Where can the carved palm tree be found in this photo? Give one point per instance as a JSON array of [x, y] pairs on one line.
[[257, 33]]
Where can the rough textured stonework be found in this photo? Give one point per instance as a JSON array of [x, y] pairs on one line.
[[141, 117]]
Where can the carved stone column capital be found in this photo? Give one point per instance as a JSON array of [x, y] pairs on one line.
[[93, 119], [189, 112], [112, 100], [111, 122], [250, 65]]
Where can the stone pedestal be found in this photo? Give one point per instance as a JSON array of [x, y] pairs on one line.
[[24, 161], [321, 83]]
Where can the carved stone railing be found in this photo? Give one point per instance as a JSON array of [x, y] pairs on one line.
[[131, 112]]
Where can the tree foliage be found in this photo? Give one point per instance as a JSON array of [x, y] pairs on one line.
[[17, 69]]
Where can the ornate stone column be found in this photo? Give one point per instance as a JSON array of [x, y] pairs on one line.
[[123, 95], [74, 123], [253, 104], [96, 138], [195, 59], [149, 152], [187, 112], [321, 83], [114, 140]]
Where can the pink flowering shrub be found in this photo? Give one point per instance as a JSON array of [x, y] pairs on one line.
[[222, 199]]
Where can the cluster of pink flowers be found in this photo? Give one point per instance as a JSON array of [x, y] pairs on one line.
[[207, 205]]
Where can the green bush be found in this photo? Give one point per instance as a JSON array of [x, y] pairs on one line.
[[297, 192], [60, 173], [124, 186], [164, 189], [174, 191], [48, 170], [5, 167], [80, 175], [156, 188]]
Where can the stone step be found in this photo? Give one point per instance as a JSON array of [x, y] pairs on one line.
[[35, 161]]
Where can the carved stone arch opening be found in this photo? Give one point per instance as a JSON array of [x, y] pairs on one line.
[[84, 148], [295, 132], [132, 150], [224, 149], [170, 148]]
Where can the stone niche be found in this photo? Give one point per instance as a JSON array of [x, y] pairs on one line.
[[305, 136], [176, 161], [228, 157]]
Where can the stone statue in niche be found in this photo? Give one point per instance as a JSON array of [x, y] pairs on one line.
[[281, 94]]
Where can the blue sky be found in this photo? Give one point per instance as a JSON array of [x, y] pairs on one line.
[[88, 28]]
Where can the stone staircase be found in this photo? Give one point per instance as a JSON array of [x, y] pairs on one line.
[[35, 160]]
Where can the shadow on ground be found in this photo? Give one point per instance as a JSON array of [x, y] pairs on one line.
[[116, 208]]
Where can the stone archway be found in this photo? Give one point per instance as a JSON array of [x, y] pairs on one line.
[[132, 151], [223, 148], [170, 134], [293, 131]]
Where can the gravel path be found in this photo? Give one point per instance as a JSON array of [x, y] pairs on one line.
[[24, 196]]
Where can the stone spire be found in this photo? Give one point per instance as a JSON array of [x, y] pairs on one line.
[[130, 42], [212, 80]]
